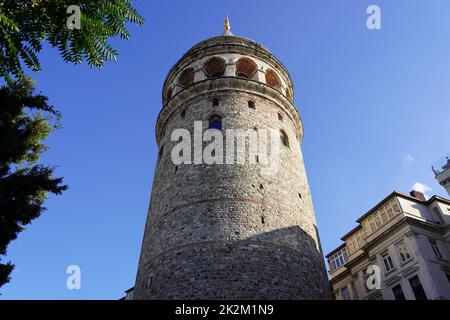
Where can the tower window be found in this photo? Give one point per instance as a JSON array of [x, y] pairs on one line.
[[183, 114], [187, 77], [161, 151], [288, 94], [168, 94], [214, 67], [280, 117], [272, 79], [215, 122], [263, 220], [284, 139], [215, 102], [246, 68], [251, 104]]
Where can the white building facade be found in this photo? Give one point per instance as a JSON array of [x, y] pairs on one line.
[[400, 250]]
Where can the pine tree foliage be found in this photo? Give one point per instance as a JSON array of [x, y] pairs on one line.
[[26, 120], [26, 24]]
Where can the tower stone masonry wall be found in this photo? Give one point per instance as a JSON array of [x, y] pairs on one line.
[[228, 231]]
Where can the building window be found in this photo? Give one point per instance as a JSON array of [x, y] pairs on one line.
[[187, 77], [387, 261], [280, 117], [215, 102], [161, 152], [284, 139], [435, 248], [345, 294], [168, 94], [251, 104], [403, 251], [246, 68], [339, 259], [215, 122], [437, 215], [383, 215], [214, 67], [272, 79], [183, 114], [288, 94], [417, 288], [398, 293]]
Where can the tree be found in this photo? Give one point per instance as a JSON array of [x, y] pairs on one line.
[[26, 120], [26, 24]]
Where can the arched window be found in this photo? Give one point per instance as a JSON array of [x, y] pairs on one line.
[[168, 94], [215, 122], [187, 77], [251, 104], [284, 140], [214, 67], [246, 68], [215, 102], [289, 94], [272, 79]]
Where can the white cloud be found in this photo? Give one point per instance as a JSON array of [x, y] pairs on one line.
[[408, 159], [421, 188]]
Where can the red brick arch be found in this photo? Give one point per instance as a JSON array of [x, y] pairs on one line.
[[214, 67], [246, 68], [187, 77], [272, 79]]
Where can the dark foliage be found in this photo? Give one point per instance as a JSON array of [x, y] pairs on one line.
[[26, 120]]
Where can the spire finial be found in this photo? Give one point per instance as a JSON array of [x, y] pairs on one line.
[[227, 26]]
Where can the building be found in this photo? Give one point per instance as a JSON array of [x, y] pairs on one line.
[[228, 231], [408, 238], [128, 294], [442, 173]]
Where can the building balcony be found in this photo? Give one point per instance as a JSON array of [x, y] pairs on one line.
[[442, 166]]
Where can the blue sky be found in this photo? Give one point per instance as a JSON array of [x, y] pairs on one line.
[[375, 107]]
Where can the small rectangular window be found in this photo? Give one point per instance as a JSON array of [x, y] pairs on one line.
[[403, 251], [435, 248], [387, 261]]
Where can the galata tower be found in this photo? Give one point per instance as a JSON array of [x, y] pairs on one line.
[[222, 230]]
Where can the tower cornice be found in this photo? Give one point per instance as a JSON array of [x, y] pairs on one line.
[[226, 84]]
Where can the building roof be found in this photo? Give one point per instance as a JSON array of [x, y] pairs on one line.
[[342, 246], [379, 204]]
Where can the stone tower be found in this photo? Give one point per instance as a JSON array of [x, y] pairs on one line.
[[223, 231]]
